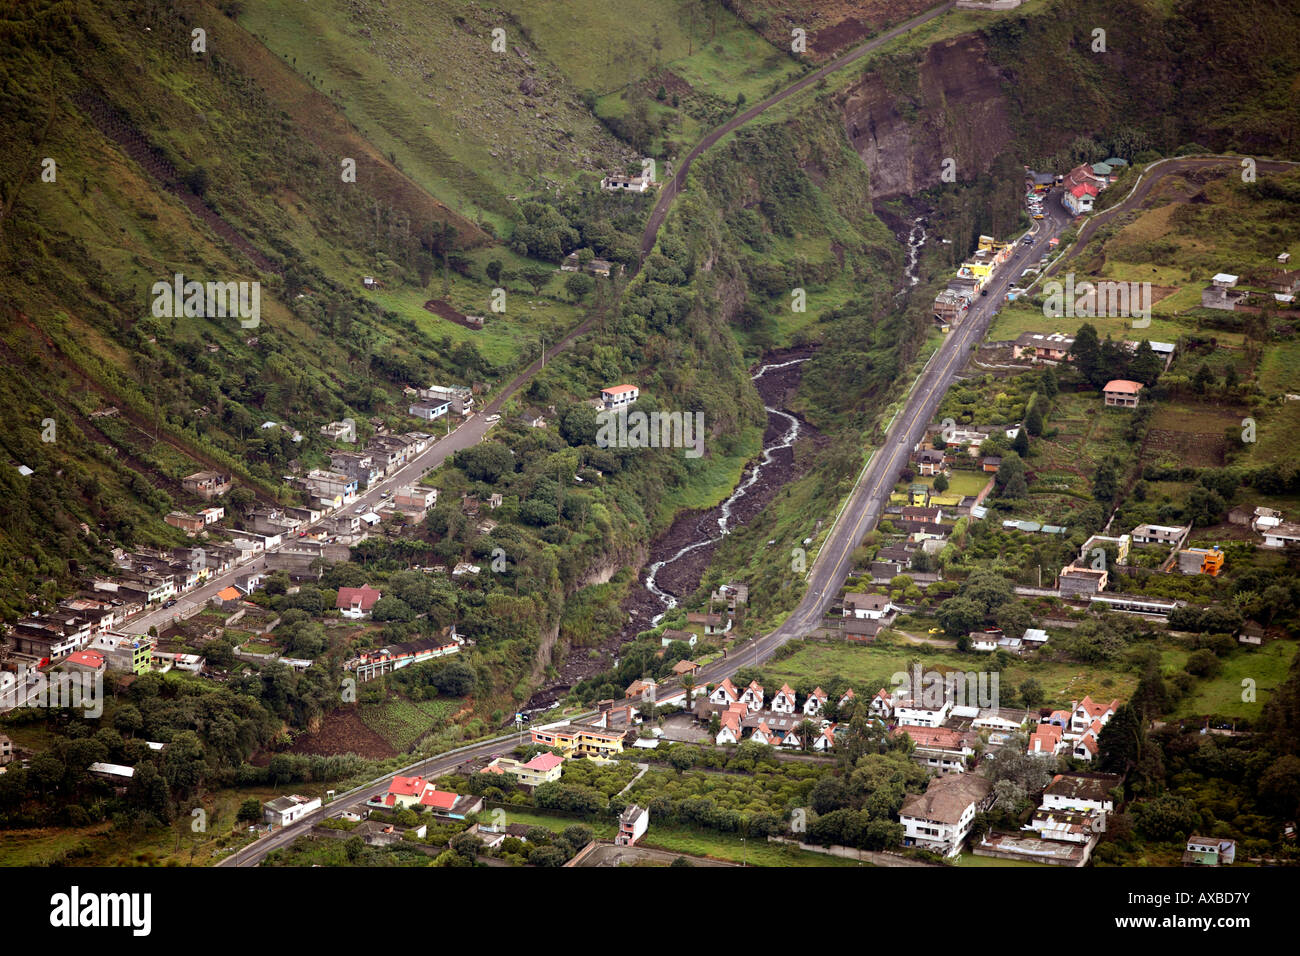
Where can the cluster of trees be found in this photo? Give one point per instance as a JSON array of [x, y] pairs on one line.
[[587, 222], [1098, 362]]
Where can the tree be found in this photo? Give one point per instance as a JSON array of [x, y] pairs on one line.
[[1020, 444], [537, 277], [1010, 477], [1031, 692], [1203, 379], [1105, 481], [1087, 353], [250, 811], [941, 483], [1203, 663], [1049, 384], [959, 616], [1034, 421], [493, 270], [578, 285]]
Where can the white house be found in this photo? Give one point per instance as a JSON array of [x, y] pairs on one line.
[[882, 705], [284, 810], [1087, 712], [980, 641], [724, 693], [753, 695], [619, 396], [917, 713], [940, 819], [1282, 535], [632, 824], [1081, 791], [871, 607], [784, 701], [815, 702]]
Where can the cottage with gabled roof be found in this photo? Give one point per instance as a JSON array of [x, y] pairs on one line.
[[725, 693], [753, 696], [784, 701], [356, 603], [815, 703]]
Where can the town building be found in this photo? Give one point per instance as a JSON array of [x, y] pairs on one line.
[[284, 810], [1121, 393], [940, 819]]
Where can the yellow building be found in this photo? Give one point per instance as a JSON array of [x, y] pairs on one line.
[[581, 740]]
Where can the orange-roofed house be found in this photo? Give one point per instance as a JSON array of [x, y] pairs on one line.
[[725, 693], [1122, 393], [229, 598], [753, 696], [619, 396], [784, 701], [815, 702], [729, 732], [763, 735], [1045, 740], [1086, 711]]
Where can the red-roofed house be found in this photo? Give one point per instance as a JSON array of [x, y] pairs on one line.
[[543, 768], [730, 730], [406, 792], [753, 696], [229, 598], [619, 396], [815, 702], [1079, 198], [1085, 748], [882, 705], [784, 701], [356, 603], [763, 735], [1086, 712], [84, 661], [725, 693], [1045, 740], [825, 740], [848, 698], [1121, 393]]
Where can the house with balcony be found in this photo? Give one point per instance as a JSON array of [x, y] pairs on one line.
[[632, 825], [618, 396], [940, 819], [206, 484]]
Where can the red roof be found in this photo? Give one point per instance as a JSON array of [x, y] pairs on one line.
[[439, 799], [365, 596], [544, 762], [87, 659], [231, 593], [618, 389], [1124, 386], [407, 786], [1082, 189]]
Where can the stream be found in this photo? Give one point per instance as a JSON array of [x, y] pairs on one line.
[[785, 439]]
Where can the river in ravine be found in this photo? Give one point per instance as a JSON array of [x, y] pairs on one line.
[[679, 557]]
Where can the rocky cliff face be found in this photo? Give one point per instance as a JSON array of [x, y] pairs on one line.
[[955, 109]]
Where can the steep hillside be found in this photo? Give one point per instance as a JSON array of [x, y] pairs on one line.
[[1028, 84], [221, 166]]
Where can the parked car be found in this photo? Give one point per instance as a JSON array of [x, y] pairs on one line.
[[492, 419]]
